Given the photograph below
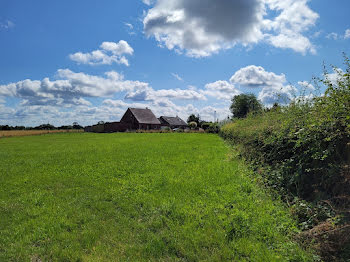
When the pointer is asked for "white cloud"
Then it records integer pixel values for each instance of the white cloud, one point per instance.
(335, 77)
(70, 88)
(6, 25)
(177, 76)
(307, 86)
(287, 28)
(148, 2)
(347, 34)
(149, 94)
(67, 99)
(277, 94)
(130, 26)
(256, 76)
(221, 90)
(109, 53)
(272, 86)
(204, 27)
(333, 36)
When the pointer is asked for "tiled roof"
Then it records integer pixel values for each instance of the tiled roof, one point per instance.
(144, 116)
(174, 121)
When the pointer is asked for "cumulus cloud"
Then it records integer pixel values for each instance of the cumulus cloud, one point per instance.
(70, 97)
(347, 34)
(286, 29)
(69, 88)
(109, 53)
(271, 86)
(204, 27)
(277, 94)
(307, 86)
(256, 76)
(149, 94)
(222, 90)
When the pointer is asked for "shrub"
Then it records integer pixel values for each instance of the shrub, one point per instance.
(301, 150)
(213, 128)
(192, 125)
(305, 143)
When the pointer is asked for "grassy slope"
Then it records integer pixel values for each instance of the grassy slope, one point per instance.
(102, 197)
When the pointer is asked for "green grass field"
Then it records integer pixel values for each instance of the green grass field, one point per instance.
(136, 197)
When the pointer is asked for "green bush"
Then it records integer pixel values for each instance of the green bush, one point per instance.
(192, 125)
(213, 128)
(303, 145)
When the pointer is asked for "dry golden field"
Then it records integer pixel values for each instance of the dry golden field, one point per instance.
(34, 132)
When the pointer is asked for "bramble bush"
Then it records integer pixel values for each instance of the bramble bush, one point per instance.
(302, 152)
(304, 145)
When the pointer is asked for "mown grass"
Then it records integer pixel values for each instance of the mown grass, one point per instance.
(136, 197)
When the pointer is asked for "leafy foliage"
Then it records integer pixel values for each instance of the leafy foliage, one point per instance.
(302, 149)
(244, 104)
(193, 118)
(192, 125)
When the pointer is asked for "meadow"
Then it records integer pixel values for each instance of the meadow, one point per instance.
(136, 197)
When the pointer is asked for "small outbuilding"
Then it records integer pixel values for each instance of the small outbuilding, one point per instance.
(172, 122)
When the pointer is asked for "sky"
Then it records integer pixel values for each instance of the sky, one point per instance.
(87, 61)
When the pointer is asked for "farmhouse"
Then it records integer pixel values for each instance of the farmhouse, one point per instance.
(137, 118)
(172, 122)
(133, 119)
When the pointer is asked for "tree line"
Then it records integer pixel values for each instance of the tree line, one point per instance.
(75, 125)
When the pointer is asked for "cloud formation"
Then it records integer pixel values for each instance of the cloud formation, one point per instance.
(221, 90)
(347, 34)
(69, 89)
(256, 76)
(177, 76)
(273, 87)
(332, 35)
(149, 94)
(204, 27)
(109, 53)
(6, 25)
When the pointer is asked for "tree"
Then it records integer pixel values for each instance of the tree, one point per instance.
(193, 118)
(244, 104)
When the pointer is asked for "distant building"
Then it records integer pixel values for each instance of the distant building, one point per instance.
(172, 122)
(137, 118)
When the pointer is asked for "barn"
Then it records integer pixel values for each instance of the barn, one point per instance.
(172, 122)
(138, 118)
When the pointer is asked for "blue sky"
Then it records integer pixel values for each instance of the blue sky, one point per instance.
(86, 61)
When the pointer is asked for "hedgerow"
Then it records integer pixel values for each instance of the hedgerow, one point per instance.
(302, 150)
